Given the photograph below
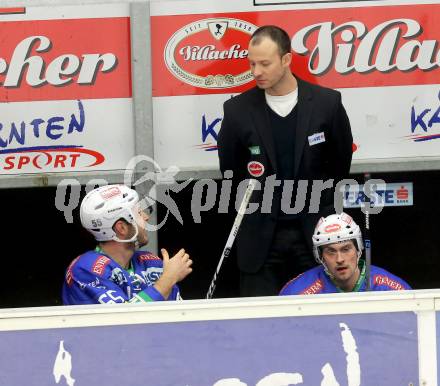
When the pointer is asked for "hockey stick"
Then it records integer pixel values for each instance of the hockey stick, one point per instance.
(232, 234)
(367, 240)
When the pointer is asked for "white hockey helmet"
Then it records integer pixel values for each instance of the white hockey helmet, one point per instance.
(103, 206)
(333, 229)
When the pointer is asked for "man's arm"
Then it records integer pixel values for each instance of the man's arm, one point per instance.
(342, 142)
(231, 153)
(82, 286)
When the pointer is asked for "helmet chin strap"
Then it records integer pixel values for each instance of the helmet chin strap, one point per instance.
(130, 240)
(134, 237)
(326, 270)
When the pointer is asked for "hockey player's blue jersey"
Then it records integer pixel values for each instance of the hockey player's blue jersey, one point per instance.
(96, 278)
(316, 281)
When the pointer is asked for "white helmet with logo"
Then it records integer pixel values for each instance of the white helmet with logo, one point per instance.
(333, 229)
(102, 207)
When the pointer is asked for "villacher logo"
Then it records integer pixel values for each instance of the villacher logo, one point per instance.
(195, 53)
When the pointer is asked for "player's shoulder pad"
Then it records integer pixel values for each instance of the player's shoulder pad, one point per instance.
(93, 262)
(288, 286)
(306, 283)
(385, 279)
(146, 256)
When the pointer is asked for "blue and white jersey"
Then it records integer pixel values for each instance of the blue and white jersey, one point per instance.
(96, 278)
(316, 281)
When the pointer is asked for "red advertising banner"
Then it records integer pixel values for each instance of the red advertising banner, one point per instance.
(65, 59)
(65, 89)
(338, 48)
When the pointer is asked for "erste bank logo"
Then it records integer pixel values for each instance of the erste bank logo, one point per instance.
(195, 54)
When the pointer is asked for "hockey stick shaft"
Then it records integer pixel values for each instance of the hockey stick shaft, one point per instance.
(232, 234)
(367, 240)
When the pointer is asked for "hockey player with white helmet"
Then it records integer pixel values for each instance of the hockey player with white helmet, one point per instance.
(337, 246)
(116, 271)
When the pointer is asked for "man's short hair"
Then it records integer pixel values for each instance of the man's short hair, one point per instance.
(276, 34)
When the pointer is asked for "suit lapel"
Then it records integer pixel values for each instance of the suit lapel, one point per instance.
(261, 121)
(305, 106)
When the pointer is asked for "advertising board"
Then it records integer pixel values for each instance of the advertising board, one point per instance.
(382, 56)
(65, 89)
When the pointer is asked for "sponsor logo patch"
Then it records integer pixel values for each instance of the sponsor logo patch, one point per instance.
(386, 281)
(255, 150)
(255, 169)
(110, 192)
(332, 228)
(100, 264)
(315, 288)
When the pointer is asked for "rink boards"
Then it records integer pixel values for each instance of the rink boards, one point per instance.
(321, 340)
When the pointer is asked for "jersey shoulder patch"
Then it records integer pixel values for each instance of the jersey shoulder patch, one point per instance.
(69, 274)
(146, 256)
(98, 266)
(315, 288)
(387, 281)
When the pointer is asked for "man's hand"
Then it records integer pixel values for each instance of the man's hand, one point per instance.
(175, 269)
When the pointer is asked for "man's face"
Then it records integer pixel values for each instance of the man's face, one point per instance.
(267, 66)
(141, 219)
(341, 261)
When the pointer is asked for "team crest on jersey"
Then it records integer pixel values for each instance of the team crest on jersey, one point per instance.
(118, 276)
(136, 281)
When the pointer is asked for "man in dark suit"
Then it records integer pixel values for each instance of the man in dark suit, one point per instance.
(291, 130)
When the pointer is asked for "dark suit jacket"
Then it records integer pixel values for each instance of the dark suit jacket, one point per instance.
(246, 125)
